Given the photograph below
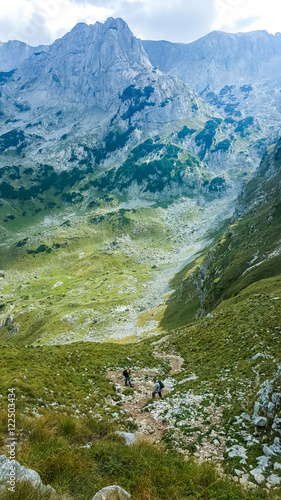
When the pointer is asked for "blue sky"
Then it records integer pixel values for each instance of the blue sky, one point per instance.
(42, 21)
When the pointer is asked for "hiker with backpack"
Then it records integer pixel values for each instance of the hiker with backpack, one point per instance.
(127, 374)
(158, 387)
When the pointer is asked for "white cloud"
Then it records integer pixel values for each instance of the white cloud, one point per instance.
(177, 20)
(42, 21)
(248, 15)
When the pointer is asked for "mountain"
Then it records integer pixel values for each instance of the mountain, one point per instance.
(89, 65)
(94, 93)
(239, 75)
(219, 59)
(139, 227)
(247, 255)
(14, 52)
(91, 96)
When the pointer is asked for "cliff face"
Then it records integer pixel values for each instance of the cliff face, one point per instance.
(14, 52)
(219, 59)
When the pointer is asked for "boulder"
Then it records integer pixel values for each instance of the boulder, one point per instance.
(238, 472)
(258, 476)
(259, 421)
(129, 436)
(276, 396)
(271, 410)
(268, 451)
(263, 462)
(237, 451)
(21, 474)
(276, 423)
(274, 480)
(112, 493)
(275, 447)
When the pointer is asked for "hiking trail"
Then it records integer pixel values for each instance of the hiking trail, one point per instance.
(142, 379)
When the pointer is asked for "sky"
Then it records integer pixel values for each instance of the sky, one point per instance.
(42, 21)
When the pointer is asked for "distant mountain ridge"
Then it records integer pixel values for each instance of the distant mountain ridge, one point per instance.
(91, 98)
(219, 58)
(14, 52)
(86, 102)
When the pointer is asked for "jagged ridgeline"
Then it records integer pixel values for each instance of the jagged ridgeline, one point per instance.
(140, 226)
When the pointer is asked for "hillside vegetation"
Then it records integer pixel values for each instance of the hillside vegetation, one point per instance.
(248, 251)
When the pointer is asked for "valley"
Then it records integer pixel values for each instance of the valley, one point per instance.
(140, 227)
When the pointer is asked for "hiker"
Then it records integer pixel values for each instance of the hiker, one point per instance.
(158, 387)
(127, 374)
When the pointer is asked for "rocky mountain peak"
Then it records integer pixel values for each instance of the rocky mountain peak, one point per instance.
(106, 44)
(91, 65)
(14, 52)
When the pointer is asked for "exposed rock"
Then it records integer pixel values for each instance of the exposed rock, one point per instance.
(277, 423)
(129, 436)
(258, 355)
(275, 398)
(260, 421)
(275, 447)
(238, 472)
(268, 451)
(244, 480)
(202, 63)
(237, 451)
(271, 409)
(112, 493)
(13, 52)
(263, 462)
(21, 474)
(257, 474)
(274, 480)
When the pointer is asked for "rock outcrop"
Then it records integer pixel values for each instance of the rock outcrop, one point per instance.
(112, 493)
(21, 473)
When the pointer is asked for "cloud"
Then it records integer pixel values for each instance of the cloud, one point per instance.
(177, 20)
(247, 15)
(42, 21)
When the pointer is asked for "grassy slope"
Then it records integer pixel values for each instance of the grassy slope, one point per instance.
(248, 251)
(220, 352)
(87, 270)
(74, 378)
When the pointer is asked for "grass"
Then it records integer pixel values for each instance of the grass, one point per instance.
(96, 265)
(68, 411)
(246, 253)
(222, 351)
(67, 386)
(145, 470)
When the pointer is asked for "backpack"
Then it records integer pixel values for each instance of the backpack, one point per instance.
(161, 385)
(125, 373)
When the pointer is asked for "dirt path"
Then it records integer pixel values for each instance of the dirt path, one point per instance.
(148, 427)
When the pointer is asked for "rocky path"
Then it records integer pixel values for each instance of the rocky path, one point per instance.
(149, 427)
